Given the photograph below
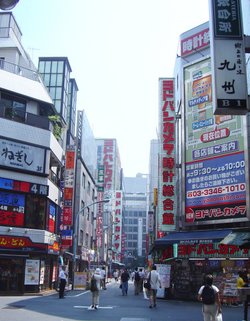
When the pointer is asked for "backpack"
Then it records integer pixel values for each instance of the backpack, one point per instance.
(208, 295)
(137, 276)
(93, 285)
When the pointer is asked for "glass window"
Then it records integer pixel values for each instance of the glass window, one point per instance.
(58, 105)
(54, 67)
(60, 67)
(53, 80)
(58, 93)
(47, 67)
(52, 92)
(35, 212)
(59, 80)
(46, 79)
(83, 180)
(41, 66)
(15, 108)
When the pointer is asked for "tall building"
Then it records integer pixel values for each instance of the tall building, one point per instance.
(135, 220)
(31, 163)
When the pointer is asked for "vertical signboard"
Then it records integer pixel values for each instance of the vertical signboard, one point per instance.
(167, 180)
(69, 179)
(228, 58)
(108, 162)
(117, 238)
(214, 154)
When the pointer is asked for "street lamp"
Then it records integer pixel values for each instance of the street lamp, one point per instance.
(75, 230)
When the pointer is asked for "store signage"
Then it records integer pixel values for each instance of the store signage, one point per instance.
(108, 162)
(195, 42)
(20, 243)
(12, 209)
(22, 156)
(214, 152)
(117, 237)
(167, 179)
(211, 250)
(24, 187)
(228, 58)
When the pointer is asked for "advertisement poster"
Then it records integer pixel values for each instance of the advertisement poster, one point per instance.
(214, 155)
(32, 269)
(164, 271)
(80, 280)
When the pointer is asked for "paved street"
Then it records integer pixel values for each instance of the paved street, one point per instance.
(113, 307)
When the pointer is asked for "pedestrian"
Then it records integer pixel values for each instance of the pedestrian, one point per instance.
(103, 281)
(95, 288)
(208, 294)
(62, 282)
(124, 281)
(116, 274)
(155, 283)
(137, 283)
(142, 277)
(240, 283)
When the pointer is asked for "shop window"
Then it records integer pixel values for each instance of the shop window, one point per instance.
(35, 212)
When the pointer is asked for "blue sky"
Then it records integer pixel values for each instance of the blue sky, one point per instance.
(117, 50)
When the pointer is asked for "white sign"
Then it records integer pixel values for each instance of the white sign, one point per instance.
(32, 269)
(22, 156)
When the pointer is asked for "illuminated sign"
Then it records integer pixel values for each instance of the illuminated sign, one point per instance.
(24, 187)
(12, 209)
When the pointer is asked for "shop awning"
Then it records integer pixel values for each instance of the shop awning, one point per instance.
(178, 237)
(239, 238)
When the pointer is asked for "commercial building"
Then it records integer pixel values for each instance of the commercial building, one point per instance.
(135, 220)
(31, 163)
(210, 226)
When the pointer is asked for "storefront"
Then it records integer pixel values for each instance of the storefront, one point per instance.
(194, 254)
(26, 266)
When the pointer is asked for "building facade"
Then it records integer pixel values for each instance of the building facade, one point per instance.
(30, 165)
(135, 220)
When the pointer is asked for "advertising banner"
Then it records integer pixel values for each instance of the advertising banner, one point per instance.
(214, 153)
(167, 180)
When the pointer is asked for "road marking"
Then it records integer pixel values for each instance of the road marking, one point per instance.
(87, 307)
(76, 295)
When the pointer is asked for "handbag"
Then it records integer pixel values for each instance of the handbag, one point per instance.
(147, 284)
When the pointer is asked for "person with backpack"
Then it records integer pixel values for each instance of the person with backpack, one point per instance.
(208, 294)
(137, 282)
(95, 288)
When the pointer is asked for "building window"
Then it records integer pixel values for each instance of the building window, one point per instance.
(88, 190)
(15, 108)
(35, 212)
(83, 180)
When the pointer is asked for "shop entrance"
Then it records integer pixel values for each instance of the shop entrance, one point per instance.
(11, 276)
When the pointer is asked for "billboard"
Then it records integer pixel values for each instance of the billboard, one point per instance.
(215, 188)
(166, 218)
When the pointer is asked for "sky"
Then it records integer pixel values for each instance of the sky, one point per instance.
(117, 50)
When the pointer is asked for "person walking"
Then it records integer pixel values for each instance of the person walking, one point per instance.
(208, 294)
(95, 288)
(240, 283)
(103, 281)
(62, 282)
(124, 281)
(137, 283)
(155, 282)
(142, 277)
(116, 275)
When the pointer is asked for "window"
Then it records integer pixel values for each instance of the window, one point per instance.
(88, 190)
(83, 180)
(35, 213)
(15, 108)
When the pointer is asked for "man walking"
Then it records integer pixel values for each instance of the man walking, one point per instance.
(62, 280)
(155, 282)
(124, 281)
(137, 282)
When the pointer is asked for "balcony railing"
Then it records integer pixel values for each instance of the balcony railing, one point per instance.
(19, 70)
(26, 118)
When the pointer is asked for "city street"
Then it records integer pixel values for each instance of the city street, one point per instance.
(113, 307)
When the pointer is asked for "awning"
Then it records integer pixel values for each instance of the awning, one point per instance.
(178, 237)
(239, 238)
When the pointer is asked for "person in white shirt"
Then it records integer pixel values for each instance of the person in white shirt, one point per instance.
(96, 294)
(155, 283)
(62, 280)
